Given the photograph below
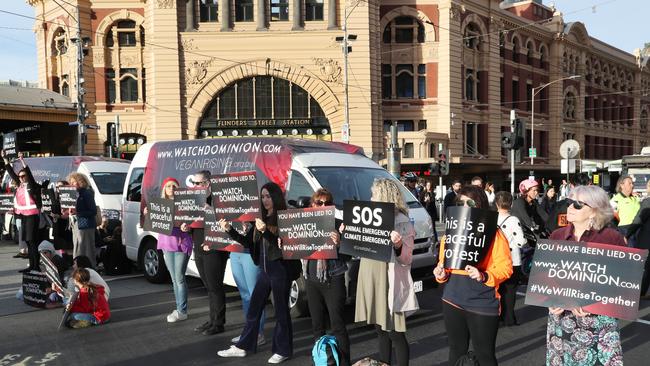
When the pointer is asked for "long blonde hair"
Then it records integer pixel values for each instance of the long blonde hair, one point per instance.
(387, 190)
(81, 179)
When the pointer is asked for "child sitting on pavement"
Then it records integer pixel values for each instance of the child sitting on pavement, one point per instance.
(90, 307)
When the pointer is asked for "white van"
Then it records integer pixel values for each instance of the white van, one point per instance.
(302, 165)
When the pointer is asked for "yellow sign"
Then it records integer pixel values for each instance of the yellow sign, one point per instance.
(596, 178)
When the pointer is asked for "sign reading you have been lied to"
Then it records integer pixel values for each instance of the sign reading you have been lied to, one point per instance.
(216, 238)
(160, 216)
(602, 279)
(367, 229)
(189, 205)
(469, 233)
(306, 233)
(235, 196)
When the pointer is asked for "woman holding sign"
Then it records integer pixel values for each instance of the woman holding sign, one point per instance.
(275, 276)
(574, 336)
(83, 218)
(470, 300)
(385, 295)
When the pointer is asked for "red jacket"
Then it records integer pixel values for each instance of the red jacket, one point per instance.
(83, 305)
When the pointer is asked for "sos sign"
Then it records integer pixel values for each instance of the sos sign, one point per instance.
(367, 229)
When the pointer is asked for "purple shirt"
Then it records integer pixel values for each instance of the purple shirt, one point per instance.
(603, 236)
(178, 241)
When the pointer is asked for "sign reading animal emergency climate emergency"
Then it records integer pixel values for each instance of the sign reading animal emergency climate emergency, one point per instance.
(9, 145)
(235, 196)
(68, 196)
(468, 236)
(190, 205)
(160, 216)
(602, 279)
(306, 233)
(217, 238)
(367, 229)
(6, 203)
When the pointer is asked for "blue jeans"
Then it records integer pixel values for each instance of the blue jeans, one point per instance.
(83, 316)
(245, 273)
(176, 263)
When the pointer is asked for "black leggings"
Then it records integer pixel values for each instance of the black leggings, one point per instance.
(386, 342)
(508, 292)
(462, 326)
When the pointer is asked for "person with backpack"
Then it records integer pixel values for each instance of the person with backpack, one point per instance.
(90, 307)
(527, 209)
(385, 295)
(275, 277)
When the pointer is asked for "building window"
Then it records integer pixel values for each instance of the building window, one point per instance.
(243, 10)
(471, 85)
(529, 96)
(570, 105)
(128, 85)
(208, 10)
(515, 94)
(126, 34)
(515, 49)
(405, 29)
(475, 137)
(402, 125)
(422, 124)
(422, 81)
(408, 150)
(386, 81)
(529, 53)
(65, 89)
(314, 10)
(279, 10)
(110, 86)
(404, 81)
(60, 44)
(472, 36)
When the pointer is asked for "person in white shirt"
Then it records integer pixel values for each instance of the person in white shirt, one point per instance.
(511, 227)
(489, 192)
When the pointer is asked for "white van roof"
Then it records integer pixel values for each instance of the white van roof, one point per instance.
(329, 159)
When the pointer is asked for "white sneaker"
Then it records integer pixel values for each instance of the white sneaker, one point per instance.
(276, 358)
(260, 339)
(175, 316)
(233, 351)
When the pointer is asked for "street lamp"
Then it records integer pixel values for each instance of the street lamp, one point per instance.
(532, 112)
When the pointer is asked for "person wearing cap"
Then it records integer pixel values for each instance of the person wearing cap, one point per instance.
(176, 249)
(410, 180)
(46, 249)
(527, 209)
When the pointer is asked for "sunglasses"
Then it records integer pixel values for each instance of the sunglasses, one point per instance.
(578, 205)
(22, 176)
(470, 202)
(199, 182)
(322, 203)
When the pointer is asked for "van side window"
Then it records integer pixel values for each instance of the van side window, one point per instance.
(134, 189)
(298, 187)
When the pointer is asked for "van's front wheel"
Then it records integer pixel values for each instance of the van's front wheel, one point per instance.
(298, 298)
(152, 263)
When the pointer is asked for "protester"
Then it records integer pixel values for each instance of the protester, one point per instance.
(176, 248)
(564, 189)
(385, 295)
(211, 265)
(625, 203)
(326, 291)
(83, 219)
(477, 181)
(27, 207)
(527, 209)
(574, 336)
(428, 200)
(84, 262)
(46, 249)
(549, 200)
(489, 192)
(470, 299)
(62, 235)
(450, 198)
(275, 277)
(410, 180)
(511, 228)
(557, 217)
(90, 307)
(639, 233)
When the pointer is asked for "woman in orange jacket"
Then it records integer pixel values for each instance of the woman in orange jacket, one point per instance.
(470, 300)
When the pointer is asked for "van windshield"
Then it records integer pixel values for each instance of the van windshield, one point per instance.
(354, 183)
(109, 183)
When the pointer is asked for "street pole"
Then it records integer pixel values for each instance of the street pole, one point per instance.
(117, 134)
(394, 153)
(81, 108)
(512, 154)
(346, 122)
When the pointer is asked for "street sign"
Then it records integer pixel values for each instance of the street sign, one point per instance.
(532, 152)
(568, 166)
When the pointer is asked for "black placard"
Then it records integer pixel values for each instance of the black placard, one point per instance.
(602, 279)
(235, 196)
(189, 205)
(160, 216)
(35, 285)
(367, 229)
(306, 233)
(51, 271)
(9, 145)
(218, 239)
(468, 236)
(47, 200)
(68, 196)
(6, 203)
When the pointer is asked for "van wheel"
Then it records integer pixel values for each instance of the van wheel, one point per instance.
(152, 263)
(298, 298)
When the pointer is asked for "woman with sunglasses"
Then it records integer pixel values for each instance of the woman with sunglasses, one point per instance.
(470, 299)
(326, 291)
(27, 207)
(588, 213)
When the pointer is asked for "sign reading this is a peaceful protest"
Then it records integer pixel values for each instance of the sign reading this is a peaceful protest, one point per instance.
(68, 196)
(306, 233)
(50, 271)
(47, 199)
(367, 229)
(9, 145)
(6, 203)
(189, 205)
(235, 196)
(602, 279)
(35, 286)
(216, 238)
(468, 236)
(160, 216)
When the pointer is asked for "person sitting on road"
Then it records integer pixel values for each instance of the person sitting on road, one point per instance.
(90, 307)
(46, 248)
(83, 262)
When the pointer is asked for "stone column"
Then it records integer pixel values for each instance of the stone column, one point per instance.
(225, 14)
(261, 15)
(189, 15)
(331, 14)
(297, 15)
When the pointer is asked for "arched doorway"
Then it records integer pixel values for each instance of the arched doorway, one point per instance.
(264, 105)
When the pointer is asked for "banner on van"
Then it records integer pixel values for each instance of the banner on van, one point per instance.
(68, 196)
(189, 205)
(9, 145)
(306, 233)
(160, 216)
(468, 236)
(367, 229)
(218, 239)
(235, 196)
(6, 203)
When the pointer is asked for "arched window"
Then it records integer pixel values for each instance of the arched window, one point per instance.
(471, 85)
(643, 122)
(588, 71)
(65, 89)
(128, 85)
(404, 29)
(570, 105)
(529, 53)
(472, 36)
(404, 81)
(124, 31)
(515, 49)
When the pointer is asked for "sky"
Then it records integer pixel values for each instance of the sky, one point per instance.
(617, 22)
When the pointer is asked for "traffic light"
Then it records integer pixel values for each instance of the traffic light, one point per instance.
(508, 140)
(443, 164)
(111, 135)
(434, 169)
(514, 140)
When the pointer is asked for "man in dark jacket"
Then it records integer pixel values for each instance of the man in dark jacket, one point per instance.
(450, 198)
(557, 216)
(527, 209)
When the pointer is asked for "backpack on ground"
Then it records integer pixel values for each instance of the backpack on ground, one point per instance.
(326, 352)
